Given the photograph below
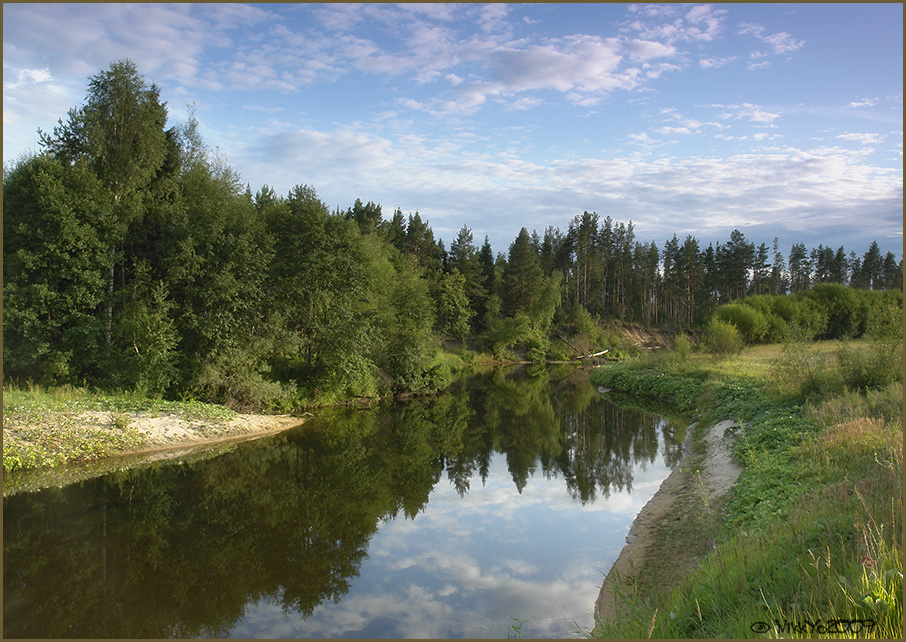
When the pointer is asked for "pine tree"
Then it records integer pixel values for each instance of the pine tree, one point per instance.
(778, 284)
(522, 277)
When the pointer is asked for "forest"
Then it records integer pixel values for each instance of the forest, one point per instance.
(136, 259)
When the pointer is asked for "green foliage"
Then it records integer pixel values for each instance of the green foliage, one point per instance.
(812, 527)
(751, 323)
(409, 346)
(682, 348)
(800, 368)
(681, 390)
(523, 279)
(56, 219)
(722, 338)
(508, 332)
(318, 281)
(845, 309)
(238, 380)
(454, 312)
(776, 316)
(579, 321)
(873, 367)
(119, 129)
(134, 258)
(882, 363)
(146, 338)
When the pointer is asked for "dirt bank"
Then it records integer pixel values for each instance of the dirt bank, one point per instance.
(674, 528)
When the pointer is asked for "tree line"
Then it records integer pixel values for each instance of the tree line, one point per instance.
(134, 258)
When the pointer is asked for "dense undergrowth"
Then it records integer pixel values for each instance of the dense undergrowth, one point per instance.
(809, 541)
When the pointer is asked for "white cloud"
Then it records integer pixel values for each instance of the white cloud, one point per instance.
(263, 108)
(783, 42)
(748, 112)
(780, 42)
(647, 49)
(524, 103)
(673, 130)
(585, 69)
(706, 21)
(716, 63)
(583, 63)
(493, 17)
(786, 188)
(865, 139)
(33, 99)
(668, 23)
(864, 102)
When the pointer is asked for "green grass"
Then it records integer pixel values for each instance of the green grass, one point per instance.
(41, 427)
(811, 533)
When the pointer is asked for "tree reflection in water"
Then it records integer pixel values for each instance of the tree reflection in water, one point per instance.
(180, 550)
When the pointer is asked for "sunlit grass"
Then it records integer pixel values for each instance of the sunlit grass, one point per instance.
(811, 534)
(42, 427)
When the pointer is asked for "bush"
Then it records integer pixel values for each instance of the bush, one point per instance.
(875, 367)
(846, 309)
(800, 369)
(722, 338)
(682, 348)
(751, 323)
(777, 323)
(882, 362)
(578, 320)
(234, 378)
(506, 333)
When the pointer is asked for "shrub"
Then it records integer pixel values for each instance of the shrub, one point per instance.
(682, 347)
(504, 334)
(777, 324)
(881, 363)
(799, 368)
(871, 368)
(750, 322)
(235, 379)
(846, 309)
(722, 338)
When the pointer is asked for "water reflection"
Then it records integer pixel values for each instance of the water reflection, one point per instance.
(267, 540)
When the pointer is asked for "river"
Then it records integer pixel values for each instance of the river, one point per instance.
(491, 510)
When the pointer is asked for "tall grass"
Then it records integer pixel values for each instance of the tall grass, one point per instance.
(810, 538)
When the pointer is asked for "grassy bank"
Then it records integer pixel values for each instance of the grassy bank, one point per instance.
(809, 542)
(41, 427)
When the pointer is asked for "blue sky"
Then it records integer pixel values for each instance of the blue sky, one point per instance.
(777, 119)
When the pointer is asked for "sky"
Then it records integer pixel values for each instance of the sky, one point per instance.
(780, 120)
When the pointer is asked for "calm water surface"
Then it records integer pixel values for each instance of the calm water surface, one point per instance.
(505, 499)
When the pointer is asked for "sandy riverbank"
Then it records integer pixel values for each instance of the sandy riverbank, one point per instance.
(682, 493)
(171, 431)
(130, 439)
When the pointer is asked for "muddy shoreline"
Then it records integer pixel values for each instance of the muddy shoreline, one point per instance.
(700, 480)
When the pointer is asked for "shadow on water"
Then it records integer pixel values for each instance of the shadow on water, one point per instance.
(180, 549)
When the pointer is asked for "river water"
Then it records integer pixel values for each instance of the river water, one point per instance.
(491, 510)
